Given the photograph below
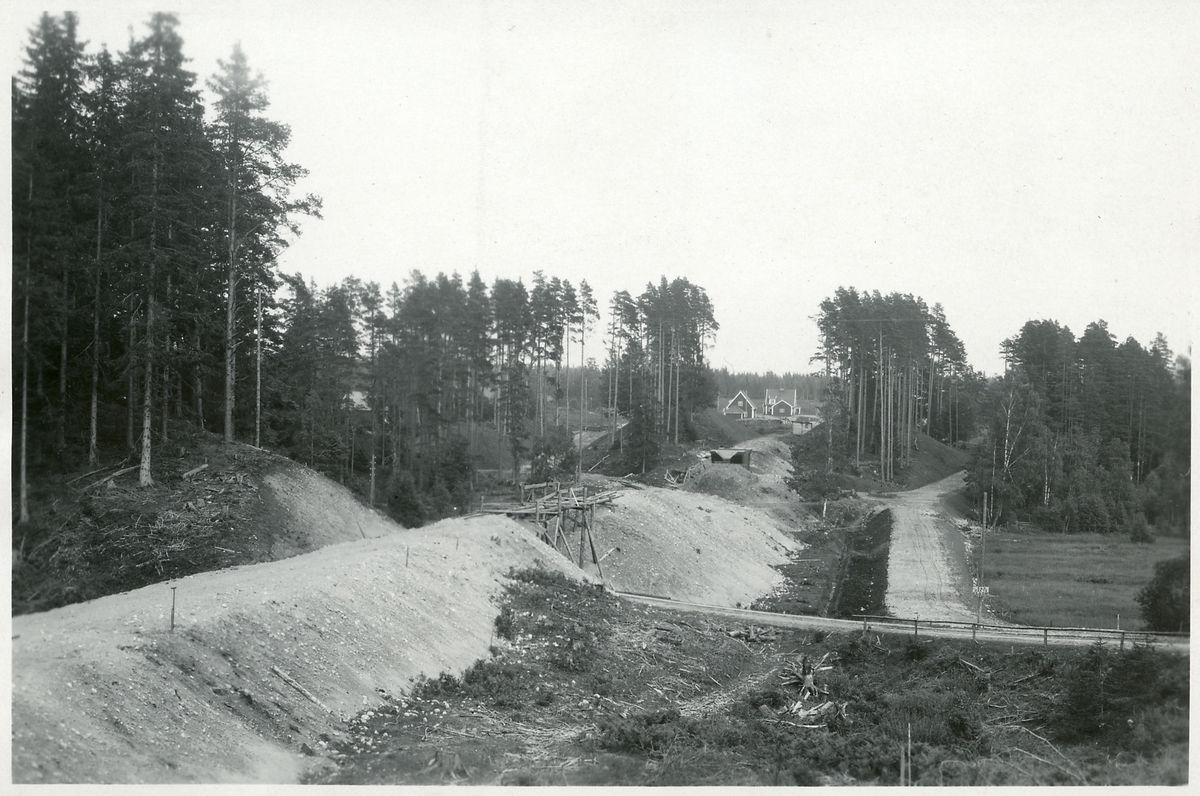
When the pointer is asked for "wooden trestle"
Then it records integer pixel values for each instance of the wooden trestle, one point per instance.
(559, 510)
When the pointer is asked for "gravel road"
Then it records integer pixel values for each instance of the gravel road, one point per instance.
(927, 571)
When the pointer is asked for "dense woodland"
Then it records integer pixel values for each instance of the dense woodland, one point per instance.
(1078, 435)
(899, 370)
(1087, 435)
(147, 298)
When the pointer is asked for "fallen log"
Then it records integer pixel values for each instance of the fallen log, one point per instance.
(108, 478)
(194, 470)
(300, 688)
(92, 472)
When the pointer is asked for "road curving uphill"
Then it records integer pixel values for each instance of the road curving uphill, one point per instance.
(927, 573)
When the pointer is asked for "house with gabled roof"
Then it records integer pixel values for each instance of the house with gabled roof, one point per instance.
(743, 407)
(781, 403)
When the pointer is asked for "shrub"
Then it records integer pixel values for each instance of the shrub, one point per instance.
(1139, 529)
(1088, 514)
(502, 683)
(914, 649)
(934, 717)
(552, 453)
(1120, 697)
(504, 623)
(816, 483)
(403, 500)
(643, 732)
(1166, 599)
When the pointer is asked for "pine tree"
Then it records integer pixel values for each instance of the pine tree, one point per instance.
(167, 159)
(256, 184)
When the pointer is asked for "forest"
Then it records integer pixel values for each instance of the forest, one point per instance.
(897, 369)
(148, 298)
(1085, 435)
(1078, 435)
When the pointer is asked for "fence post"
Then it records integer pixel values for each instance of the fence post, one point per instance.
(1045, 636)
(1122, 639)
(915, 632)
(974, 628)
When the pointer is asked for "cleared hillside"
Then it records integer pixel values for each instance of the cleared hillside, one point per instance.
(266, 661)
(212, 506)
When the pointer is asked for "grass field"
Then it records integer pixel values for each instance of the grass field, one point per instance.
(1071, 580)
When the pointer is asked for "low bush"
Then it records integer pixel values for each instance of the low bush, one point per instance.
(656, 731)
(1166, 599)
(1120, 698)
(937, 718)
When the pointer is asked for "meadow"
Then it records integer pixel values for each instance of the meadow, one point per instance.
(1071, 580)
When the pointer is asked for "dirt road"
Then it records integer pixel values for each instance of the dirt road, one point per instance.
(927, 572)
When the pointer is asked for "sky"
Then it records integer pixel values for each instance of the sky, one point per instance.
(1008, 160)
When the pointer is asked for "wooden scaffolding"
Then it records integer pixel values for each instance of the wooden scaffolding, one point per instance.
(561, 511)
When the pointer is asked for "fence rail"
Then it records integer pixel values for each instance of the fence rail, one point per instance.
(1027, 632)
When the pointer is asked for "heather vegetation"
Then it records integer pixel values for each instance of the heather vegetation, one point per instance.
(584, 689)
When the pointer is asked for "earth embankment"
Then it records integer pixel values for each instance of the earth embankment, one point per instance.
(690, 546)
(266, 660)
(105, 691)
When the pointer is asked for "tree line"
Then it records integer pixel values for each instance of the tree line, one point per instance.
(1086, 434)
(402, 393)
(897, 370)
(144, 236)
(147, 292)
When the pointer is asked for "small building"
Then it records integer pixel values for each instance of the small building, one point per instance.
(743, 407)
(731, 456)
(781, 403)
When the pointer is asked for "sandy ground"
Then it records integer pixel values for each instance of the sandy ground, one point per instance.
(105, 692)
(689, 546)
(927, 572)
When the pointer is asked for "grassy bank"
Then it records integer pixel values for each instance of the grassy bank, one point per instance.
(1070, 580)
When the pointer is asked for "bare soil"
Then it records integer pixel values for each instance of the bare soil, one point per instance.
(106, 691)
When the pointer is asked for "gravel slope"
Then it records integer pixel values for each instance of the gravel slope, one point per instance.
(104, 692)
(690, 546)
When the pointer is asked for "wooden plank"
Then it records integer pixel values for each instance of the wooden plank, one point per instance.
(595, 558)
(300, 688)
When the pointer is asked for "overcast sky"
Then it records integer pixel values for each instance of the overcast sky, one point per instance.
(1010, 160)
